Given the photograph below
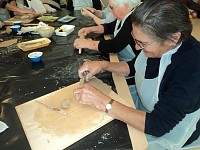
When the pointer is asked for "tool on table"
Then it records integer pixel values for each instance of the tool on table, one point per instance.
(84, 74)
(53, 108)
(82, 36)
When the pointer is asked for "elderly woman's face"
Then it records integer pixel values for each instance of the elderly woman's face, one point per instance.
(116, 10)
(151, 48)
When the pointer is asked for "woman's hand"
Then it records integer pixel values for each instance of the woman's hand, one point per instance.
(26, 11)
(81, 43)
(92, 10)
(85, 31)
(86, 13)
(86, 43)
(89, 95)
(93, 68)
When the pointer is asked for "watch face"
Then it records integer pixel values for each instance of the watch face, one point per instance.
(108, 106)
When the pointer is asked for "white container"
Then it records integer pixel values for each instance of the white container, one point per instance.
(64, 30)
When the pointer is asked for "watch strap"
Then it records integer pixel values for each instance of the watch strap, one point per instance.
(111, 101)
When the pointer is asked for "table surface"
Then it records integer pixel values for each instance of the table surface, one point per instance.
(22, 81)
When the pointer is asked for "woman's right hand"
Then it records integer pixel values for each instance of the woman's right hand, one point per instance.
(84, 31)
(93, 68)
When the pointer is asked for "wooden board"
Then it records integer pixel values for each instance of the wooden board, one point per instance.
(138, 138)
(8, 43)
(47, 129)
(34, 44)
(11, 20)
(196, 28)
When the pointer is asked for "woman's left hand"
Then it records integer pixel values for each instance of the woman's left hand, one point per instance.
(81, 43)
(89, 95)
(86, 12)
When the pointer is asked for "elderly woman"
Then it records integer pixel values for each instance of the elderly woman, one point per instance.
(122, 43)
(167, 77)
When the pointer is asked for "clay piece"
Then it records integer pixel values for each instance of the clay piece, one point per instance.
(65, 103)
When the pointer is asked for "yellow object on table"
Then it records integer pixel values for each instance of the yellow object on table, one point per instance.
(48, 18)
(34, 44)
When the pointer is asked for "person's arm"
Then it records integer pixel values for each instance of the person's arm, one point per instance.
(13, 2)
(96, 19)
(94, 29)
(88, 43)
(95, 67)
(98, 13)
(88, 13)
(89, 95)
(14, 8)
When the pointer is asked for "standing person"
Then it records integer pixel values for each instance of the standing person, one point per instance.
(122, 43)
(167, 77)
(99, 16)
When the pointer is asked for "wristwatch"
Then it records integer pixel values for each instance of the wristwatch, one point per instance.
(109, 105)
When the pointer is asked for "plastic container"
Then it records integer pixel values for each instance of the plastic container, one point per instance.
(15, 28)
(64, 30)
(35, 56)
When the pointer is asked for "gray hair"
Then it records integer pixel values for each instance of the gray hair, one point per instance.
(132, 3)
(159, 19)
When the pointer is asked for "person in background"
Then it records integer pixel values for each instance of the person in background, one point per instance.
(55, 4)
(79, 4)
(167, 77)
(99, 16)
(122, 43)
(12, 7)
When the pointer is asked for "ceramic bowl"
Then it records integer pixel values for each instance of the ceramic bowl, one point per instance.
(15, 28)
(45, 32)
(35, 56)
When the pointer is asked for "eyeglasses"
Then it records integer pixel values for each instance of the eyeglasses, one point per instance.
(142, 45)
(112, 7)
